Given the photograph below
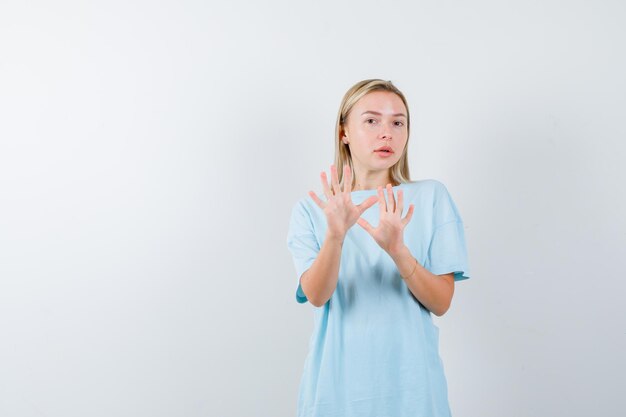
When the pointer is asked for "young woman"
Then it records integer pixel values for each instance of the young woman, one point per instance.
(374, 350)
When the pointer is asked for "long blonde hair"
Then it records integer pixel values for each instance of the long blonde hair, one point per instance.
(399, 173)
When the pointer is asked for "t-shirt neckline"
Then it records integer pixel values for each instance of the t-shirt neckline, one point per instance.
(373, 191)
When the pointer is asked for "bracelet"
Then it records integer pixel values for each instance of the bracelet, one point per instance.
(411, 271)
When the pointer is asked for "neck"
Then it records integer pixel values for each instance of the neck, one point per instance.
(371, 180)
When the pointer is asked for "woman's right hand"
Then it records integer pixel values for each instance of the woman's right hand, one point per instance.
(341, 213)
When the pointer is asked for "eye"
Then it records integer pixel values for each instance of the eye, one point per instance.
(370, 121)
(399, 123)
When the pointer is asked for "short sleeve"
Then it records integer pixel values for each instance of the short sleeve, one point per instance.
(302, 243)
(447, 251)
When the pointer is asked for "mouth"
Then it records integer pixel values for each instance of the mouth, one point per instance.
(384, 149)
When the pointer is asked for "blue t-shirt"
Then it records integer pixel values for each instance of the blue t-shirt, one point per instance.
(374, 350)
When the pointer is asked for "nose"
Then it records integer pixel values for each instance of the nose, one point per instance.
(385, 132)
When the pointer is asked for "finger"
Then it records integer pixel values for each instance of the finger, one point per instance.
(400, 202)
(334, 179)
(317, 201)
(408, 216)
(381, 201)
(367, 204)
(365, 225)
(392, 200)
(347, 179)
(325, 186)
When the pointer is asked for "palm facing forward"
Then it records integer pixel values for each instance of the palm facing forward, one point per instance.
(389, 232)
(340, 211)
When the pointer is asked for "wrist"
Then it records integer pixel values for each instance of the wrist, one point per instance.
(399, 253)
(405, 277)
(335, 237)
(405, 261)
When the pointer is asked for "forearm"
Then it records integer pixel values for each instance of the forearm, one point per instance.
(320, 280)
(434, 292)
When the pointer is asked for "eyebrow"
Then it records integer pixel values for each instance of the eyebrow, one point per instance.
(380, 114)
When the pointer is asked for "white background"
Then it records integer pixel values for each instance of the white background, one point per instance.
(151, 152)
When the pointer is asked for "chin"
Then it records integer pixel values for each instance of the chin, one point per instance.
(389, 163)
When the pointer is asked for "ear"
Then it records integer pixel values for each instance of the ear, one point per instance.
(344, 137)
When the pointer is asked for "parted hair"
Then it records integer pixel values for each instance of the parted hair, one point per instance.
(399, 173)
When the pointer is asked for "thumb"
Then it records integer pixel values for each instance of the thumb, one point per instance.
(365, 225)
(367, 203)
(408, 216)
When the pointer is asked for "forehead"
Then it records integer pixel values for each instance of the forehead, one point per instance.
(380, 101)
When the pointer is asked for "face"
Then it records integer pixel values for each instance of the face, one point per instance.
(378, 120)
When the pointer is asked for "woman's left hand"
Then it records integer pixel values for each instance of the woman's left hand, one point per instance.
(389, 232)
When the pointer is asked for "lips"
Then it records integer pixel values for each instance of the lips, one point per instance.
(384, 149)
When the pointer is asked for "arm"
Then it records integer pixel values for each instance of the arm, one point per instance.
(320, 280)
(433, 291)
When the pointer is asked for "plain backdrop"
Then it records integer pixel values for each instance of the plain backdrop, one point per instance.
(151, 153)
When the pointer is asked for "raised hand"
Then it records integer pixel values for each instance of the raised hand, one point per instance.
(389, 232)
(340, 211)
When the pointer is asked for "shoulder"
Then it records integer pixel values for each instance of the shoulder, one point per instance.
(435, 185)
(306, 211)
(429, 186)
(305, 205)
(301, 208)
(433, 195)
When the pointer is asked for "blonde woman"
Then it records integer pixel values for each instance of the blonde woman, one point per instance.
(374, 350)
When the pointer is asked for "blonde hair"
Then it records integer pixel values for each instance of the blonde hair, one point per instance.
(399, 173)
